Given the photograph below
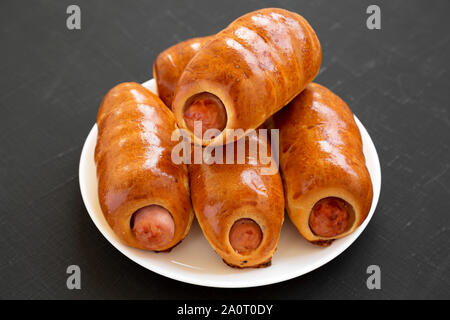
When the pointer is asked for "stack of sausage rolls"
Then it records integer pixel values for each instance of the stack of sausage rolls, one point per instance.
(256, 73)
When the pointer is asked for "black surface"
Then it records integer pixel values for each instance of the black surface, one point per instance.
(52, 80)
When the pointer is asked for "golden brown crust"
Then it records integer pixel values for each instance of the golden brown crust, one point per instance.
(134, 166)
(259, 63)
(170, 64)
(243, 264)
(224, 193)
(321, 156)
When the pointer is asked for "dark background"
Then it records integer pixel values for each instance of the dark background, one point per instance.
(52, 80)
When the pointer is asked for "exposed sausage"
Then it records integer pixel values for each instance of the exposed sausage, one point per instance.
(135, 170)
(327, 185)
(256, 65)
(329, 217)
(240, 207)
(245, 236)
(153, 227)
(207, 109)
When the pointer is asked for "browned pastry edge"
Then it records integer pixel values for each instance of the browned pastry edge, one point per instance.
(249, 68)
(133, 126)
(321, 156)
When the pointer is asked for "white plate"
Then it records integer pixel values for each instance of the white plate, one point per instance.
(194, 261)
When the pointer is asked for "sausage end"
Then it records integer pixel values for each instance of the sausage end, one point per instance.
(330, 217)
(206, 108)
(153, 227)
(245, 236)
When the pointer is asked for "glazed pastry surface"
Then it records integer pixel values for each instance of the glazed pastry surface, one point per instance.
(255, 66)
(134, 166)
(321, 156)
(170, 64)
(225, 193)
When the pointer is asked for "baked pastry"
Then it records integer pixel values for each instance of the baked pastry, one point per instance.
(240, 207)
(327, 186)
(143, 194)
(245, 74)
(170, 64)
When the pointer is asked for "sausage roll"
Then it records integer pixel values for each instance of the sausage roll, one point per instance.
(240, 207)
(246, 73)
(328, 189)
(170, 63)
(143, 194)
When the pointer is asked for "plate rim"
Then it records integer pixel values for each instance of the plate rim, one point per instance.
(210, 283)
